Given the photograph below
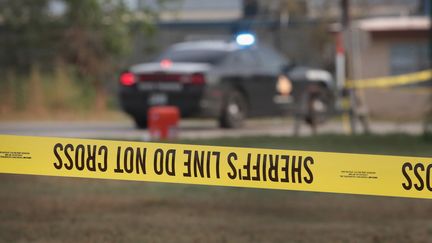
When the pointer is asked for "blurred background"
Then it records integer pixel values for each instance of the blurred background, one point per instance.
(62, 59)
(61, 63)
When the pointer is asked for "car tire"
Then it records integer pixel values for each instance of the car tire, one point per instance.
(234, 111)
(140, 122)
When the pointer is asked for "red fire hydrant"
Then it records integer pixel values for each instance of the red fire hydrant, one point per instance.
(163, 122)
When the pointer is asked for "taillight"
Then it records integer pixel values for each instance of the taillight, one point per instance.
(127, 79)
(197, 78)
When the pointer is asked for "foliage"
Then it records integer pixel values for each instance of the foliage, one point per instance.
(93, 36)
(83, 31)
(25, 32)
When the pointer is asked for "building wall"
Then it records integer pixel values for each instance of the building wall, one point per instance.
(409, 103)
(375, 59)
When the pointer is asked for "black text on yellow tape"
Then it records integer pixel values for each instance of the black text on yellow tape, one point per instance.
(222, 166)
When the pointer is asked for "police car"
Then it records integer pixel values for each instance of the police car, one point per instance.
(226, 80)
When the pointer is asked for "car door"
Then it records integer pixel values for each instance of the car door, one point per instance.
(264, 79)
(238, 70)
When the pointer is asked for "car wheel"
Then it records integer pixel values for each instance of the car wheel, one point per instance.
(234, 111)
(140, 122)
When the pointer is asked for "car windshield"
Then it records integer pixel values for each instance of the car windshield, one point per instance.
(190, 55)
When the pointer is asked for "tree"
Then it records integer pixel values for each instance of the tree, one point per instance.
(97, 35)
(91, 35)
(25, 30)
(93, 38)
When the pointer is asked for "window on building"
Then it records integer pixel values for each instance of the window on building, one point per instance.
(408, 57)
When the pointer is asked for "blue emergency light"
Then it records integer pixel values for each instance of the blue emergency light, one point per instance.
(245, 39)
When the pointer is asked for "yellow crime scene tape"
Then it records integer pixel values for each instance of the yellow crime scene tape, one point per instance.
(391, 81)
(383, 83)
(220, 166)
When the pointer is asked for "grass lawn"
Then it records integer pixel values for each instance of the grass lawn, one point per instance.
(51, 209)
(394, 144)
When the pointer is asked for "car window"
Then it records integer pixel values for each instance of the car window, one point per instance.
(270, 60)
(243, 58)
(194, 55)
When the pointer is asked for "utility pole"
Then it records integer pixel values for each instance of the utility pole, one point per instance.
(345, 71)
(340, 47)
(427, 5)
(345, 6)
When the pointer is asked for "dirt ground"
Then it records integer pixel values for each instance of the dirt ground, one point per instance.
(51, 209)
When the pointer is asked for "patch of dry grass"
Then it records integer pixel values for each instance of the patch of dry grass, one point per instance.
(50, 209)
